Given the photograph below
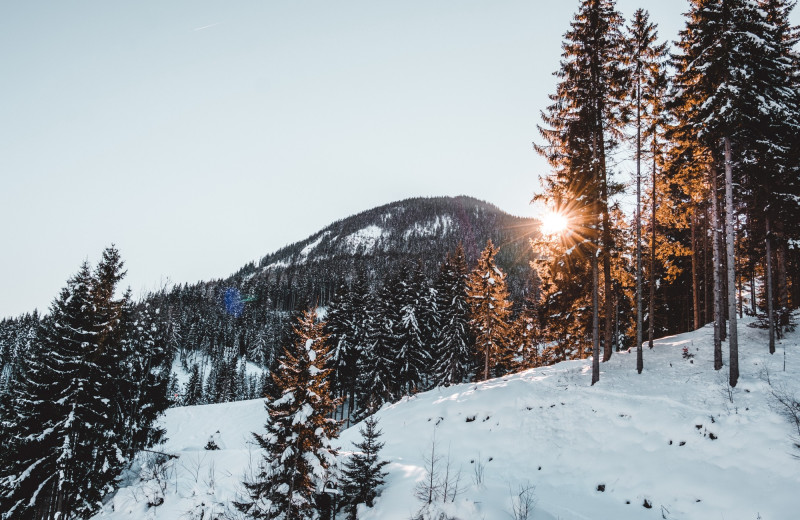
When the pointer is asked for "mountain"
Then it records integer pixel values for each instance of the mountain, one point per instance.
(249, 313)
(674, 442)
(417, 231)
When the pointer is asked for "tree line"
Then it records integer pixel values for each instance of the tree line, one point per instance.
(82, 399)
(712, 129)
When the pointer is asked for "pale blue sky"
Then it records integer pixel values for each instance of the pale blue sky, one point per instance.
(200, 135)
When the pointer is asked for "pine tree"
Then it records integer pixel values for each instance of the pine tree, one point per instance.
(74, 428)
(377, 362)
(454, 341)
(45, 477)
(412, 357)
(526, 338)
(487, 297)
(145, 380)
(363, 471)
(193, 393)
(297, 445)
(731, 82)
(581, 124)
(645, 56)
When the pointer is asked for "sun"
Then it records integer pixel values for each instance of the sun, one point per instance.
(553, 223)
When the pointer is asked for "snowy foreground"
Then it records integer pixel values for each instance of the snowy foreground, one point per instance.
(672, 436)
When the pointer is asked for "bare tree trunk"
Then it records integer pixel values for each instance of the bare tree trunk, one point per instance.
(639, 359)
(752, 289)
(716, 270)
(608, 298)
(695, 282)
(651, 316)
(782, 282)
(768, 273)
(595, 320)
(708, 270)
(486, 365)
(733, 332)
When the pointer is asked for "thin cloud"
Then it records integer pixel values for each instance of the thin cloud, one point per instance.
(206, 26)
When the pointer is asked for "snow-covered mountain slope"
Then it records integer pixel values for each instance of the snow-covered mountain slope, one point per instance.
(673, 436)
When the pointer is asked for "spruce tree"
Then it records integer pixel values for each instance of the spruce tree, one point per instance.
(412, 356)
(297, 446)
(145, 379)
(49, 435)
(645, 56)
(377, 362)
(75, 427)
(363, 473)
(581, 124)
(487, 297)
(454, 342)
(734, 78)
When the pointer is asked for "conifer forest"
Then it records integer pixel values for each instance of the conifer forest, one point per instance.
(667, 255)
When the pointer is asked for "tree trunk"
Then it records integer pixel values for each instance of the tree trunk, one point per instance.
(651, 316)
(716, 271)
(695, 282)
(708, 270)
(595, 320)
(782, 282)
(733, 332)
(753, 290)
(639, 360)
(608, 298)
(768, 275)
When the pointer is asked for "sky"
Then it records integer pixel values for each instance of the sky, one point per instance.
(198, 136)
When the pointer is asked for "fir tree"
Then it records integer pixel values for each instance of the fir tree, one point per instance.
(363, 471)
(377, 362)
(74, 429)
(193, 392)
(645, 56)
(581, 124)
(147, 374)
(410, 298)
(454, 340)
(489, 312)
(297, 445)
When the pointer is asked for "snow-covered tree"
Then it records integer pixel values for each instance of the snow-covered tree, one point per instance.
(363, 473)
(297, 443)
(74, 426)
(487, 297)
(409, 291)
(454, 343)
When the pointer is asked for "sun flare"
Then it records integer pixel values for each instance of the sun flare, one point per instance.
(553, 223)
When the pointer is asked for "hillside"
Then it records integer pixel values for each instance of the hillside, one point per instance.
(249, 313)
(418, 231)
(672, 436)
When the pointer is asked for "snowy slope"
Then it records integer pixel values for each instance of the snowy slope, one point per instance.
(643, 437)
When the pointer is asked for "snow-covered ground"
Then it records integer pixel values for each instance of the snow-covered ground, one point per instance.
(673, 436)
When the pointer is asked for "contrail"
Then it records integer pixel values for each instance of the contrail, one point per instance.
(206, 26)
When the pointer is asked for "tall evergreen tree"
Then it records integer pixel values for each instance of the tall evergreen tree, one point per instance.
(412, 355)
(297, 445)
(487, 297)
(730, 81)
(377, 362)
(645, 56)
(73, 429)
(454, 341)
(581, 127)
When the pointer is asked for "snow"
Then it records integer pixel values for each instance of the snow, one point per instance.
(310, 247)
(673, 436)
(251, 369)
(364, 240)
(430, 228)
